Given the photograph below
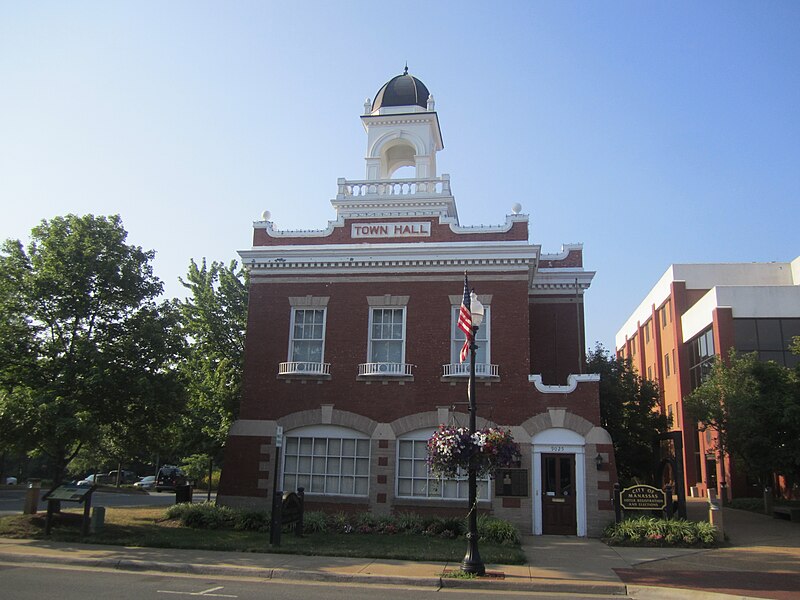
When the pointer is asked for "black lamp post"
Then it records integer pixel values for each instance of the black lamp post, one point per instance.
(472, 562)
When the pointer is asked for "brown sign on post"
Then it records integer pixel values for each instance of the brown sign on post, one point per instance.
(643, 497)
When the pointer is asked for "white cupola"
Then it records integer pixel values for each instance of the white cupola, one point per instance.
(402, 129)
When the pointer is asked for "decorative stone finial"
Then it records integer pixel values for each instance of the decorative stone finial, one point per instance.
(367, 106)
(405, 71)
(431, 103)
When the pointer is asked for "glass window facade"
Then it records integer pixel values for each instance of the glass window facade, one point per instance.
(334, 466)
(770, 338)
(701, 357)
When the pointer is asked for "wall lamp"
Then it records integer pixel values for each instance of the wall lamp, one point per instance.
(598, 460)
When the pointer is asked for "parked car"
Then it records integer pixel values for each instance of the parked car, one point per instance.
(94, 479)
(11, 481)
(126, 477)
(169, 478)
(146, 483)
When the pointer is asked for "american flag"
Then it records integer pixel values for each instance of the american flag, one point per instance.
(465, 320)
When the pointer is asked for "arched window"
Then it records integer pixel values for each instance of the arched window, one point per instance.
(414, 479)
(327, 459)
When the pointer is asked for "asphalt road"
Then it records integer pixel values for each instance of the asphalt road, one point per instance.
(13, 500)
(34, 583)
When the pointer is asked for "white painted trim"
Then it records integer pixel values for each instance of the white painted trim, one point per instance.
(565, 250)
(579, 450)
(572, 383)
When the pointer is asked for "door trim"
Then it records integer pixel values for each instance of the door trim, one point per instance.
(580, 481)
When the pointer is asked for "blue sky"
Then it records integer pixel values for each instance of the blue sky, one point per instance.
(653, 132)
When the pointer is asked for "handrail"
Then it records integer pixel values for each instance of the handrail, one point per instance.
(385, 369)
(462, 370)
(304, 368)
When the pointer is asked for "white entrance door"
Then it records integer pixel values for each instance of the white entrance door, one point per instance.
(549, 445)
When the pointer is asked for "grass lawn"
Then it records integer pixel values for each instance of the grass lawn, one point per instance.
(146, 527)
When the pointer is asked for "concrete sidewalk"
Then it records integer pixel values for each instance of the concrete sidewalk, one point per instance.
(763, 562)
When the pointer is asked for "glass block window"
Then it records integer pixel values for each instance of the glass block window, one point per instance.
(307, 341)
(387, 335)
(414, 480)
(334, 466)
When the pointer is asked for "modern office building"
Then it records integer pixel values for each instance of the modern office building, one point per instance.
(353, 347)
(696, 312)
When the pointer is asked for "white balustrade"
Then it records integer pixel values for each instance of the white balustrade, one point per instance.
(462, 370)
(385, 369)
(437, 186)
(304, 368)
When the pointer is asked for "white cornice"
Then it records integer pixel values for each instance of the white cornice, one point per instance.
(561, 281)
(430, 257)
(387, 212)
(565, 250)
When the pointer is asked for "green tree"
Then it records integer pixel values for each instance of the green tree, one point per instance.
(754, 407)
(95, 352)
(629, 412)
(215, 318)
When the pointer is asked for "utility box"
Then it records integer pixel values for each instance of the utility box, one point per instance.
(32, 497)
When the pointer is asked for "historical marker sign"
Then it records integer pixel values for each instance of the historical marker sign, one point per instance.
(643, 497)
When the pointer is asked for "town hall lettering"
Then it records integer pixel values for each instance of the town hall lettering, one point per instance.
(390, 230)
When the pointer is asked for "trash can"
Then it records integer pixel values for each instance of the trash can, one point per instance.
(98, 519)
(183, 493)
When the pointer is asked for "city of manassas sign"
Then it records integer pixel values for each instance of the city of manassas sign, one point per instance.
(390, 230)
(643, 497)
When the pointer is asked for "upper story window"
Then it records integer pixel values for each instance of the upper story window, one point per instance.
(666, 365)
(306, 337)
(387, 343)
(307, 343)
(483, 352)
(633, 346)
(647, 332)
(701, 357)
(386, 347)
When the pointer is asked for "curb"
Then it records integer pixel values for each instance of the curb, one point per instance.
(653, 592)
(281, 574)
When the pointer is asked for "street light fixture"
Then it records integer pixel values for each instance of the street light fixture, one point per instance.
(472, 562)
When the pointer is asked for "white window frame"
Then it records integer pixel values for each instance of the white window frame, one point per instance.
(292, 339)
(402, 340)
(299, 476)
(435, 486)
(483, 339)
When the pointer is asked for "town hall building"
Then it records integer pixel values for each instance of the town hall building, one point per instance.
(352, 350)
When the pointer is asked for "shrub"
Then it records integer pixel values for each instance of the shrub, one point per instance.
(497, 530)
(204, 515)
(751, 504)
(315, 522)
(660, 532)
(409, 523)
(251, 520)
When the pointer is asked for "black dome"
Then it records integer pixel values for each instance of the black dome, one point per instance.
(403, 90)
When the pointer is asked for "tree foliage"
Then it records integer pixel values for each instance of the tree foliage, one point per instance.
(754, 407)
(215, 317)
(629, 412)
(86, 352)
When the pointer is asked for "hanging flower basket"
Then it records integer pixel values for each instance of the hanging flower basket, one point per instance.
(452, 451)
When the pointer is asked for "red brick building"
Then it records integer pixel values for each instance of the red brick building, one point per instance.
(352, 348)
(694, 313)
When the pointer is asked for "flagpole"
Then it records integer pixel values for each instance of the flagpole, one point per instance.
(472, 562)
